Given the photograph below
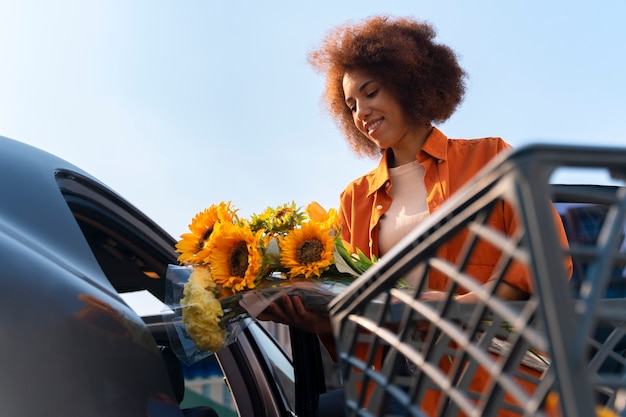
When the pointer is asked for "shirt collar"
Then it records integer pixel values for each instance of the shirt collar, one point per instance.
(435, 146)
(378, 177)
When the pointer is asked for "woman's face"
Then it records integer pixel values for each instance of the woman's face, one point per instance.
(375, 111)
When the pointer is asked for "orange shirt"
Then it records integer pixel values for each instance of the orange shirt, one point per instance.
(448, 165)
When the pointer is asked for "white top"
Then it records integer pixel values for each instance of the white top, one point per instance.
(408, 207)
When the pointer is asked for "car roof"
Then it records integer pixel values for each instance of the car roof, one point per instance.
(50, 205)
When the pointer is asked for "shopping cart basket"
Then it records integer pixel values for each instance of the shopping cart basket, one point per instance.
(559, 353)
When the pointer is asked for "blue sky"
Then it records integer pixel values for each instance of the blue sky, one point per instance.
(180, 104)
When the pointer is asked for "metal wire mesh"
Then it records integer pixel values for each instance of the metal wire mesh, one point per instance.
(559, 353)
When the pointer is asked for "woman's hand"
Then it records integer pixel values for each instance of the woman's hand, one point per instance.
(291, 311)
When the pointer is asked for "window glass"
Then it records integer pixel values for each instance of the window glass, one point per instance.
(279, 363)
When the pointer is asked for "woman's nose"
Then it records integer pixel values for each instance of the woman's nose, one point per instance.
(362, 111)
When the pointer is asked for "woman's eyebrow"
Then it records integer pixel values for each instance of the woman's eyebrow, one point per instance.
(361, 88)
(365, 84)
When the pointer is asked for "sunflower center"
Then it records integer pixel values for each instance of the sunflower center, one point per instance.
(283, 213)
(205, 236)
(309, 251)
(238, 262)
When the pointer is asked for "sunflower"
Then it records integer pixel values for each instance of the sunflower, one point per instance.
(307, 250)
(277, 220)
(193, 247)
(234, 256)
(318, 214)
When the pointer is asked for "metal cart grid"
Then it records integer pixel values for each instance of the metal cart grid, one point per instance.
(397, 351)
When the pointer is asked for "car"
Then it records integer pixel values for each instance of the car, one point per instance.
(71, 252)
(70, 248)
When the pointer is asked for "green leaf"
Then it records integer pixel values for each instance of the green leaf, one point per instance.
(345, 266)
(344, 261)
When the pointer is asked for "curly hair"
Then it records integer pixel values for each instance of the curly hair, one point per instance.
(423, 75)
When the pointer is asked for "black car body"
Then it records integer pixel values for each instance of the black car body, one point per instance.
(71, 345)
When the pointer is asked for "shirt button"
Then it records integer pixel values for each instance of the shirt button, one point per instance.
(439, 161)
(379, 207)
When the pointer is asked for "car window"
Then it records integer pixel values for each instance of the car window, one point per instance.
(132, 251)
(278, 362)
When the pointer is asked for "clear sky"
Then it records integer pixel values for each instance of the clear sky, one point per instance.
(180, 104)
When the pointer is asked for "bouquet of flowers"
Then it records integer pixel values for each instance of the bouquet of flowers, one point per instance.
(232, 268)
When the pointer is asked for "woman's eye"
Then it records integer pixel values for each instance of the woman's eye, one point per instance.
(372, 93)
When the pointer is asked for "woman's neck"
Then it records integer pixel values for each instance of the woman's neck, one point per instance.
(407, 150)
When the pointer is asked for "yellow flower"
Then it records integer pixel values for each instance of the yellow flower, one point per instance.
(201, 314)
(194, 246)
(202, 275)
(234, 256)
(318, 214)
(230, 255)
(277, 220)
(307, 250)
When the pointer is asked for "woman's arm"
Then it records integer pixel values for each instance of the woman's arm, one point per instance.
(505, 291)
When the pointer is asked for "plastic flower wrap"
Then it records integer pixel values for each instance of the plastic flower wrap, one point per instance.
(232, 268)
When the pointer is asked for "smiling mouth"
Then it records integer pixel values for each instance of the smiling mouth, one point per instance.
(372, 127)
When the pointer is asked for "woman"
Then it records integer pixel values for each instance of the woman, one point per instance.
(387, 83)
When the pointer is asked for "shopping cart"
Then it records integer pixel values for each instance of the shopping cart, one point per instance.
(560, 353)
